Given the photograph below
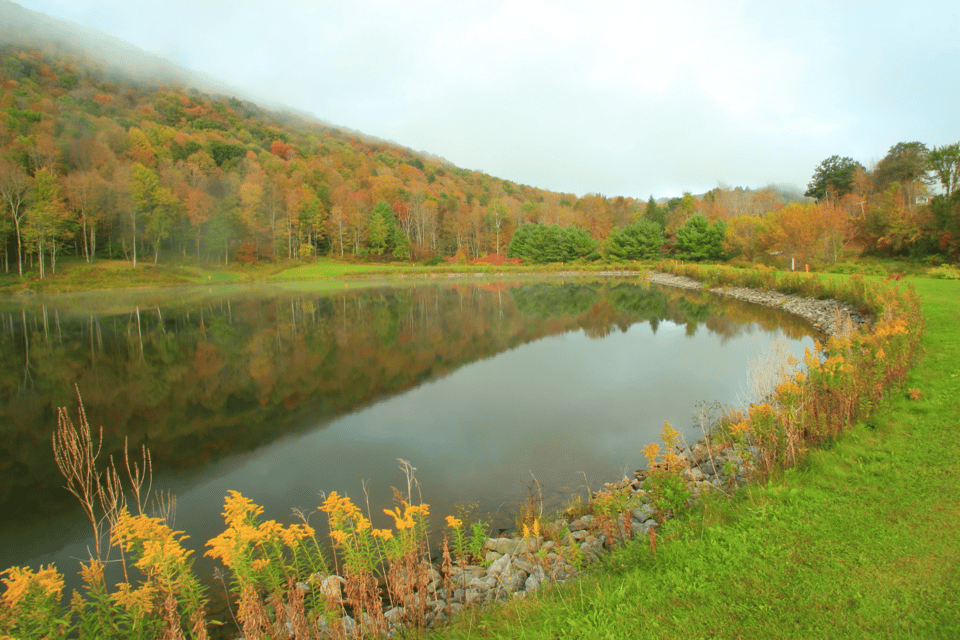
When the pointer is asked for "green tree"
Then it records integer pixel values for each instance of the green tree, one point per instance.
(697, 239)
(637, 241)
(834, 177)
(541, 244)
(905, 163)
(944, 162)
(381, 228)
(655, 213)
(155, 203)
(47, 219)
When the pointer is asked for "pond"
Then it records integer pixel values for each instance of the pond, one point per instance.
(285, 392)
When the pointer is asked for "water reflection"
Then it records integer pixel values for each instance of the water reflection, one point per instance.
(279, 394)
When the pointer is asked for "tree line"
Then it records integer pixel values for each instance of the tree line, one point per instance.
(96, 166)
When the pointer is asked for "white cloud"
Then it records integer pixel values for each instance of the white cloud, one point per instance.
(620, 98)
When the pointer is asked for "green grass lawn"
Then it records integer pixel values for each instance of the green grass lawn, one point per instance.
(324, 268)
(861, 541)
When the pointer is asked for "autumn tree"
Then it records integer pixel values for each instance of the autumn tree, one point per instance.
(897, 227)
(14, 184)
(905, 164)
(742, 238)
(807, 233)
(679, 211)
(84, 191)
(497, 215)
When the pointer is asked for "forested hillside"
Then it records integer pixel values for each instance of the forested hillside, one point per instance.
(96, 165)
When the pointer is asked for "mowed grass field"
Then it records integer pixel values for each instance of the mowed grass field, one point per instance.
(860, 541)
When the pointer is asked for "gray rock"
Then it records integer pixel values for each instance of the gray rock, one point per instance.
(523, 565)
(645, 512)
(491, 556)
(532, 584)
(580, 524)
(511, 546)
(514, 580)
(394, 615)
(694, 474)
(478, 585)
(499, 566)
(639, 529)
(466, 574)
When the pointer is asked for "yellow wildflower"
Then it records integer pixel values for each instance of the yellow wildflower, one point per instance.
(295, 533)
(740, 428)
(22, 580)
(141, 599)
(400, 521)
(383, 534)
(362, 524)
(422, 510)
(651, 452)
(453, 523)
(92, 573)
(236, 508)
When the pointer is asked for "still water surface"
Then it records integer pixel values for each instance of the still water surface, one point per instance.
(284, 393)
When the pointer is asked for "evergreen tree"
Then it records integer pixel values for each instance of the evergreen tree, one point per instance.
(697, 239)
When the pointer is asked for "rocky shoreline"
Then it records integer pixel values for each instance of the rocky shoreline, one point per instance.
(827, 316)
(517, 566)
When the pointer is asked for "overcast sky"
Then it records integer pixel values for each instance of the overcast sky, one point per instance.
(629, 98)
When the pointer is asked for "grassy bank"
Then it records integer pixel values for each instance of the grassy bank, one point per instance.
(76, 275)
(860, 540)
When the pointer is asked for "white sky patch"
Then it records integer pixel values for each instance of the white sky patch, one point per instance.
(619, 98)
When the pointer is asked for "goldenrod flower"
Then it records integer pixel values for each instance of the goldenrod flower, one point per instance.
(651, 452)
(362, 524)
(236, 508)
(295, 533)
(383, 534)
(453, 523)
(92, 573)
(21, 580)
(141, 599)
(401, 522)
